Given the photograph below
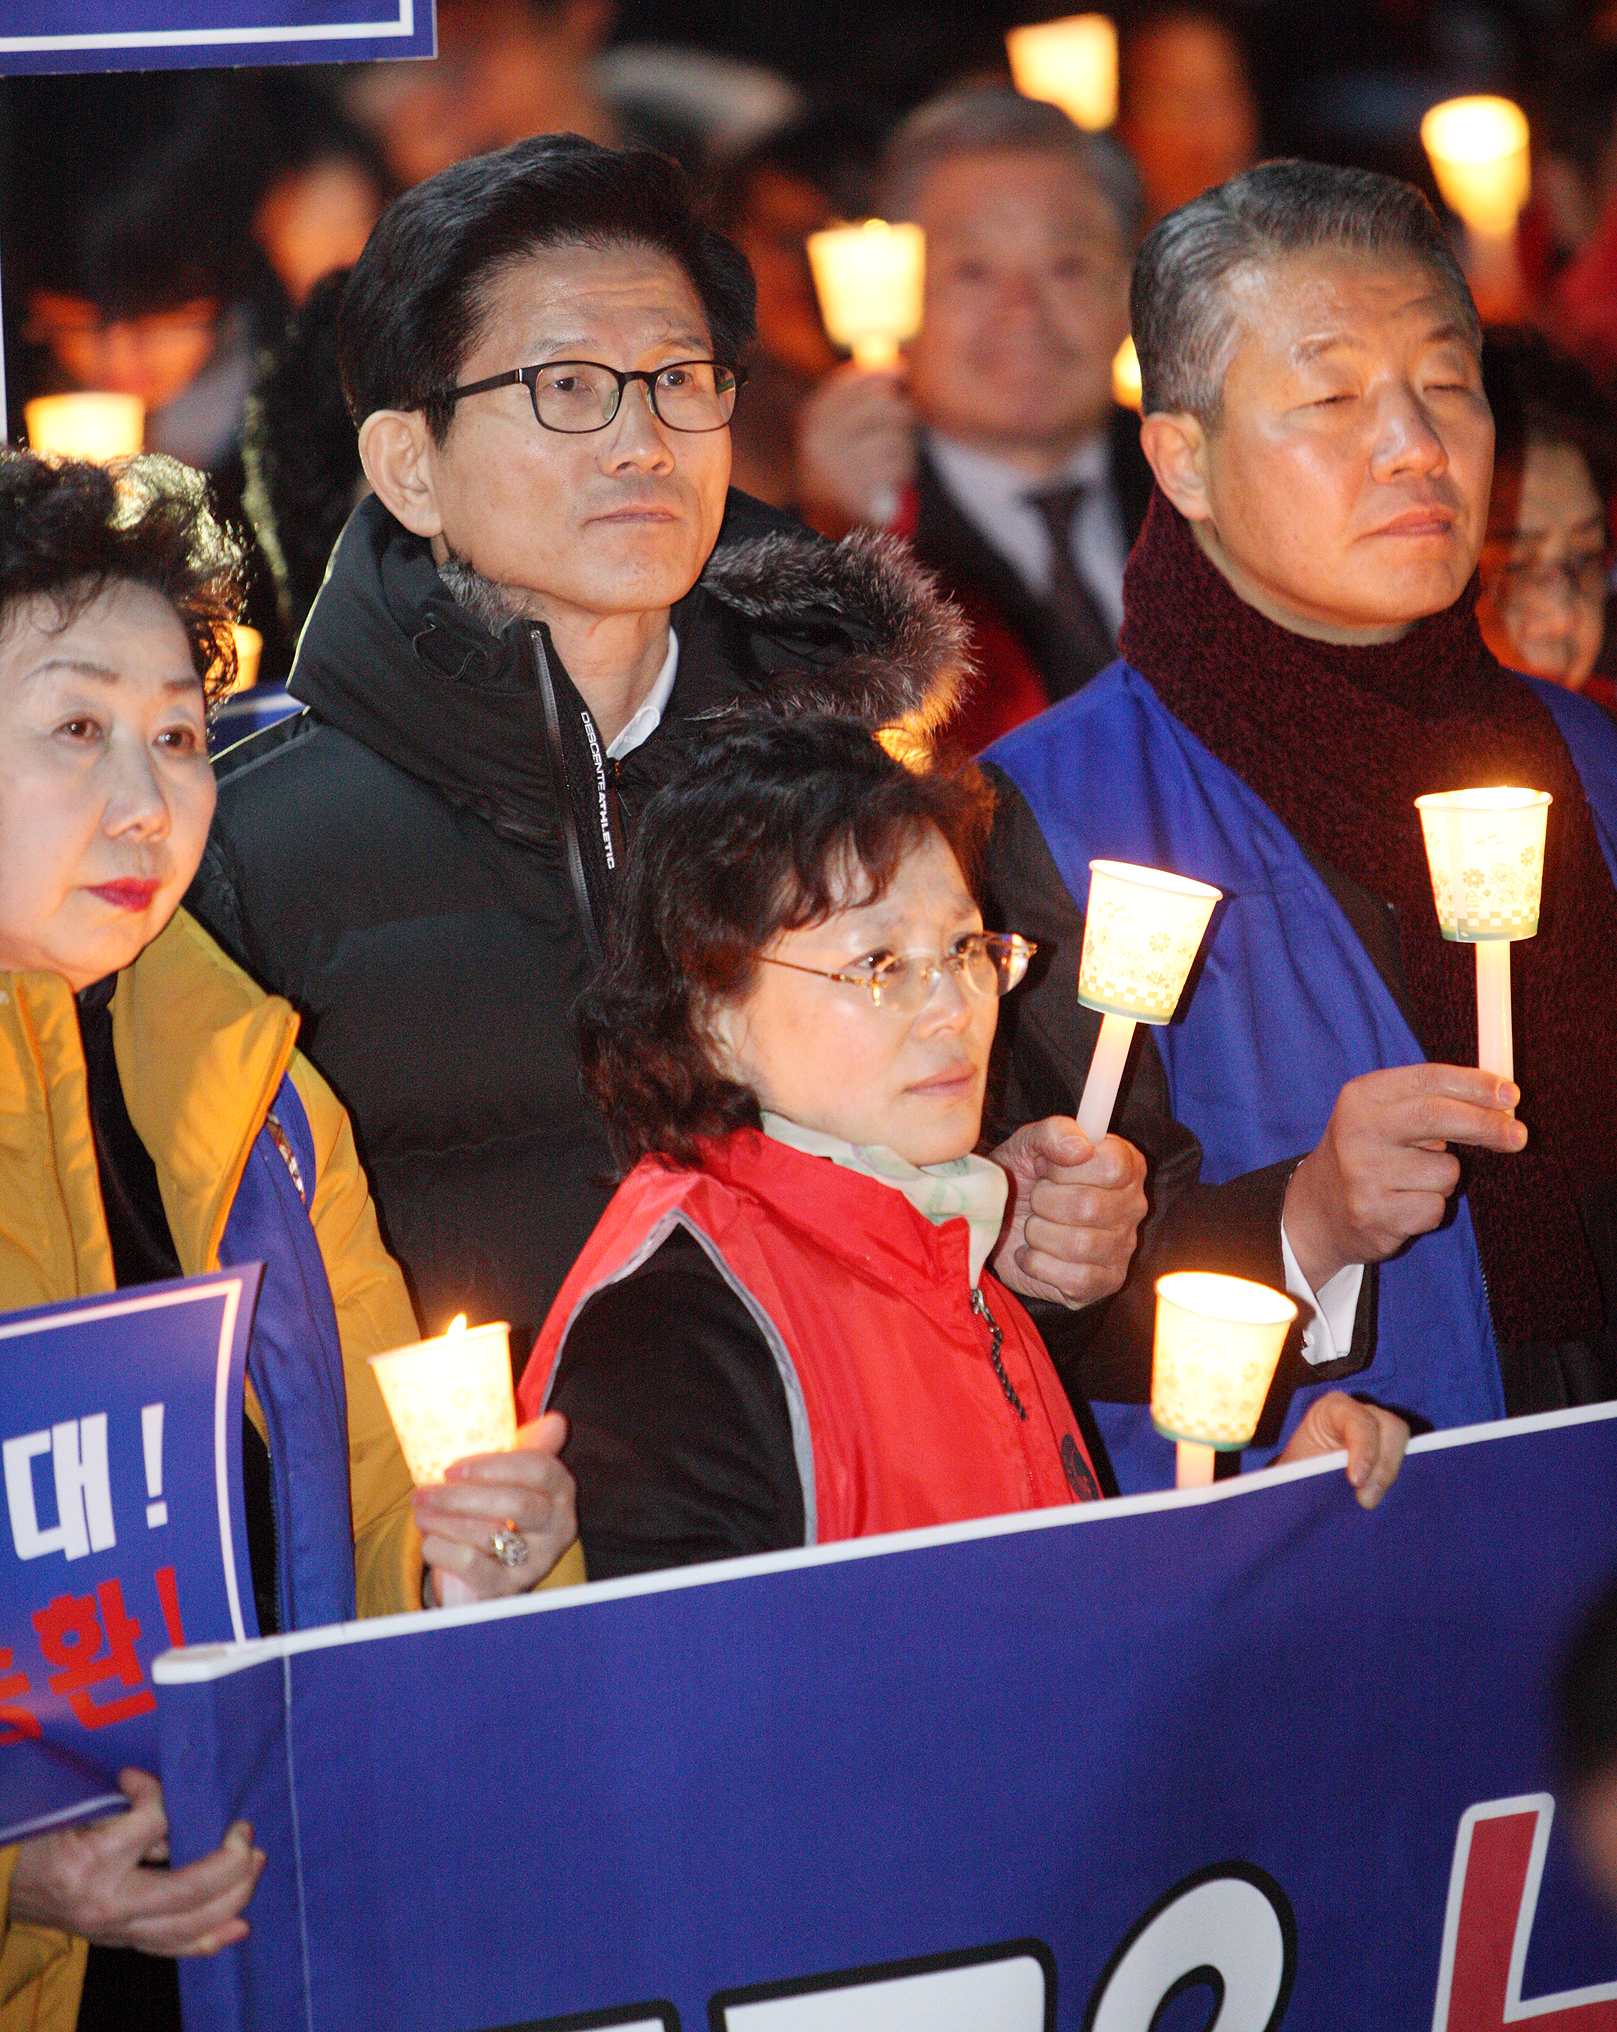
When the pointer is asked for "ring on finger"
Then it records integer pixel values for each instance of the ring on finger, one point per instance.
(509, 1547)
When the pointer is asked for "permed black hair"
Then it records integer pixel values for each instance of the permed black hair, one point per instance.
(413, 305)
(69, 529)
(758, 837)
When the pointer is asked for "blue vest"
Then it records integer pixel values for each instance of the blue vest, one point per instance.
(1287, 1008)
(295, 1360)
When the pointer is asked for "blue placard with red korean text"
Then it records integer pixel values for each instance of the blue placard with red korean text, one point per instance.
(111, 35)
(1092, 1770)
(124, 1528)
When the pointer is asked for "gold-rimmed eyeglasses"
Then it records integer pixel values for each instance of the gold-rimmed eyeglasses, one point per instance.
(983, 962)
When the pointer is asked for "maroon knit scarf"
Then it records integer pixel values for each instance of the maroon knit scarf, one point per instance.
(1338, 742)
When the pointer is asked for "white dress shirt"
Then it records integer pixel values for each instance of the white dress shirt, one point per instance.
(645, 721)
(1328, 1335)
(992, 496)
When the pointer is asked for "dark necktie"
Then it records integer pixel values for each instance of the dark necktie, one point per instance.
(1093, 644)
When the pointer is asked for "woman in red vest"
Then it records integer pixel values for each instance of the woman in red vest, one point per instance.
(784, 1331)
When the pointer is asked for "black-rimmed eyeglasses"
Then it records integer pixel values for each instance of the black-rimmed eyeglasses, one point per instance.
(583, 395)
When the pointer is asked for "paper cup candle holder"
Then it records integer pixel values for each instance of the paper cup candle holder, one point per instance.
(1141, 935)
(450, 1397)
(869, 280)
(1485, 849)
(1218, 1340)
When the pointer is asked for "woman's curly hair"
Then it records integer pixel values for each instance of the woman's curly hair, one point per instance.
(69, 529)
(764, 833)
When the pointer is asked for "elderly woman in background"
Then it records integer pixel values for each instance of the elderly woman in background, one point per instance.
(784, 1330)
(158, 1123)
(1546, 557)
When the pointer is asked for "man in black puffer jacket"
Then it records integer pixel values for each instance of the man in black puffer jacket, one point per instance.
(525, 632)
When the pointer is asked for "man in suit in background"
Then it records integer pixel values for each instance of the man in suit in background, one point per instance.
(998, 449)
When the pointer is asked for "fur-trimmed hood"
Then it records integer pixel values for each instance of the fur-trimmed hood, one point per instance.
(394, 661)
(891, 650)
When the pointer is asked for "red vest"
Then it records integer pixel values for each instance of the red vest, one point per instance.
(898, 1415)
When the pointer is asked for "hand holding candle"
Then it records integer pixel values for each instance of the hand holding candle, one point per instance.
(1075, 1213)
(1142, 931)
(495, 1504)
(1382, 1172)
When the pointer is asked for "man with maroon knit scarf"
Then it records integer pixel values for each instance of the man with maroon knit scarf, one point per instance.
(1300, 661)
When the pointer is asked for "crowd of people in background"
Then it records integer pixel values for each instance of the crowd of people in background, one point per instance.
(182, 261)
(604, 825)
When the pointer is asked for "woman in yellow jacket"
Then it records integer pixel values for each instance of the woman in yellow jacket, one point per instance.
(156, 1121)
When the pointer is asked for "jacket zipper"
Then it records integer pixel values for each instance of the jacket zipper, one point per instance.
(996, 1340)
(564, 798)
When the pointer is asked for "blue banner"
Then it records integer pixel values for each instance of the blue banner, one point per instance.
(110, 35)
(1094, 1770)
(125, 1531)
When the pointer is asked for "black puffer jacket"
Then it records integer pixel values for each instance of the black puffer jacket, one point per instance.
(422, 863)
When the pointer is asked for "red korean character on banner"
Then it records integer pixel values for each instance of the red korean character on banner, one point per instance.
(70, 1635)
(17, 1725)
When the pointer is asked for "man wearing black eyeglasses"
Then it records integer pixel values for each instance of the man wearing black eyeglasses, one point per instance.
(526, 630)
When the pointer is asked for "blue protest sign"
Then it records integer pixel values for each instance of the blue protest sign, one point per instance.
(110, 35)
(125, 1531)
(1091, 1770)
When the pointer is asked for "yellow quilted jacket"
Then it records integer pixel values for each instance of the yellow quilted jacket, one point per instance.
(201, 1052)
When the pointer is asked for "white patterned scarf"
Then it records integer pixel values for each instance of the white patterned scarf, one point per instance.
(969, 1189)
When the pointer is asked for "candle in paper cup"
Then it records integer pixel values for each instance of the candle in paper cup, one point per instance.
(1141, 935)
(870, 280)
(1218, 1340)
(88, 425)
(450, 1397)
(1478, 151)
(1485, 850)
(1072, 63)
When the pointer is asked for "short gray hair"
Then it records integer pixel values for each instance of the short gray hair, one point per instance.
(994, 120)
(1180, 307)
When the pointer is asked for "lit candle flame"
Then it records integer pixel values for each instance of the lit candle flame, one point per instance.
(1072, 63)
(1478, 148)
(457, 1325)
(870, 280)
(1126, 376)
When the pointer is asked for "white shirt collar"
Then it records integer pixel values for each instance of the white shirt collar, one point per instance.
(645, 722)
(993, 498)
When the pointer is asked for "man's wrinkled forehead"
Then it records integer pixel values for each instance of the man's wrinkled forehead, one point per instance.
(1293, 310)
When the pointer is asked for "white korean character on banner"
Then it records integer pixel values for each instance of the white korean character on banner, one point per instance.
(78, 1450)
